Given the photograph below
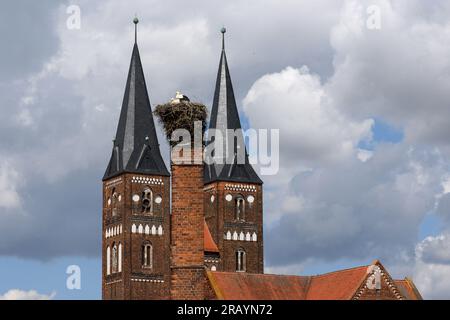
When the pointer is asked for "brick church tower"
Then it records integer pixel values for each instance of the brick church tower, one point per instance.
(136, 201)
(187, 233)
(232, 190)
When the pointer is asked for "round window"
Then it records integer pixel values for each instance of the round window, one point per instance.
(228, 197)
(251, 199)
(158, 200)
(136, 198)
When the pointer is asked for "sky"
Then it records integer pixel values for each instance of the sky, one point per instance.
(363, 114)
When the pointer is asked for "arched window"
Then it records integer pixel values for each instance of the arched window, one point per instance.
(114, 258)
(240, 207)
(147, 201)
(114, 201)
(108, 260)
(241, 263)
(147, 255)
(120, 258)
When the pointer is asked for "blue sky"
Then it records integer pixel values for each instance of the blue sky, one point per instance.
(50, 276)
(318, 73)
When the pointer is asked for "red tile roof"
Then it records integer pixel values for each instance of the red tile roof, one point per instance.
(408, 289)
(243, 286)
(246, 286)
(339, 285)
(210, 245)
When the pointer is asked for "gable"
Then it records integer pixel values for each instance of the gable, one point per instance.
(378, 285)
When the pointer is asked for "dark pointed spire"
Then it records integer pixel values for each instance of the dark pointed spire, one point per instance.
(224, 115)
(136, 147)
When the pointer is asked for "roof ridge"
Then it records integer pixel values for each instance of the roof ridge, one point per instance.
(339, 271)
(296, 275)
(260, 274)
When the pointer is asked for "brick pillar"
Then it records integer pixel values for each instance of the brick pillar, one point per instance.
(187, 261)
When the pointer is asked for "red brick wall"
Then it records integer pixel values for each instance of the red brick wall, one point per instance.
(136, 282)
(209, 291)
(188, 270)
(220, 217)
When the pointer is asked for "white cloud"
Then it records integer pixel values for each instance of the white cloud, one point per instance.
(432, 268)
(432, 280)
(16, 294)
(364, 155)
(398, 73)
(312, 129)
(434, 249)
(89, 70)
(333, 200)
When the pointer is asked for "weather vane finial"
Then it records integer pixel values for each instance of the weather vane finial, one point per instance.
(223, 30)
(135, 21)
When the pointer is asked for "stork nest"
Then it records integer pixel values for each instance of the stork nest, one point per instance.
(181, 115)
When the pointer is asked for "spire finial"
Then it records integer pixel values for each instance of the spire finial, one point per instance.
(135, 21)
(223, 30)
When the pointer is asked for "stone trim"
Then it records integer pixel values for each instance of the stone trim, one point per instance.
(146, 229)
(113, 182)
(384, 277)
(113, 231)
(235, 236)
(147, 180)
(240, 187)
